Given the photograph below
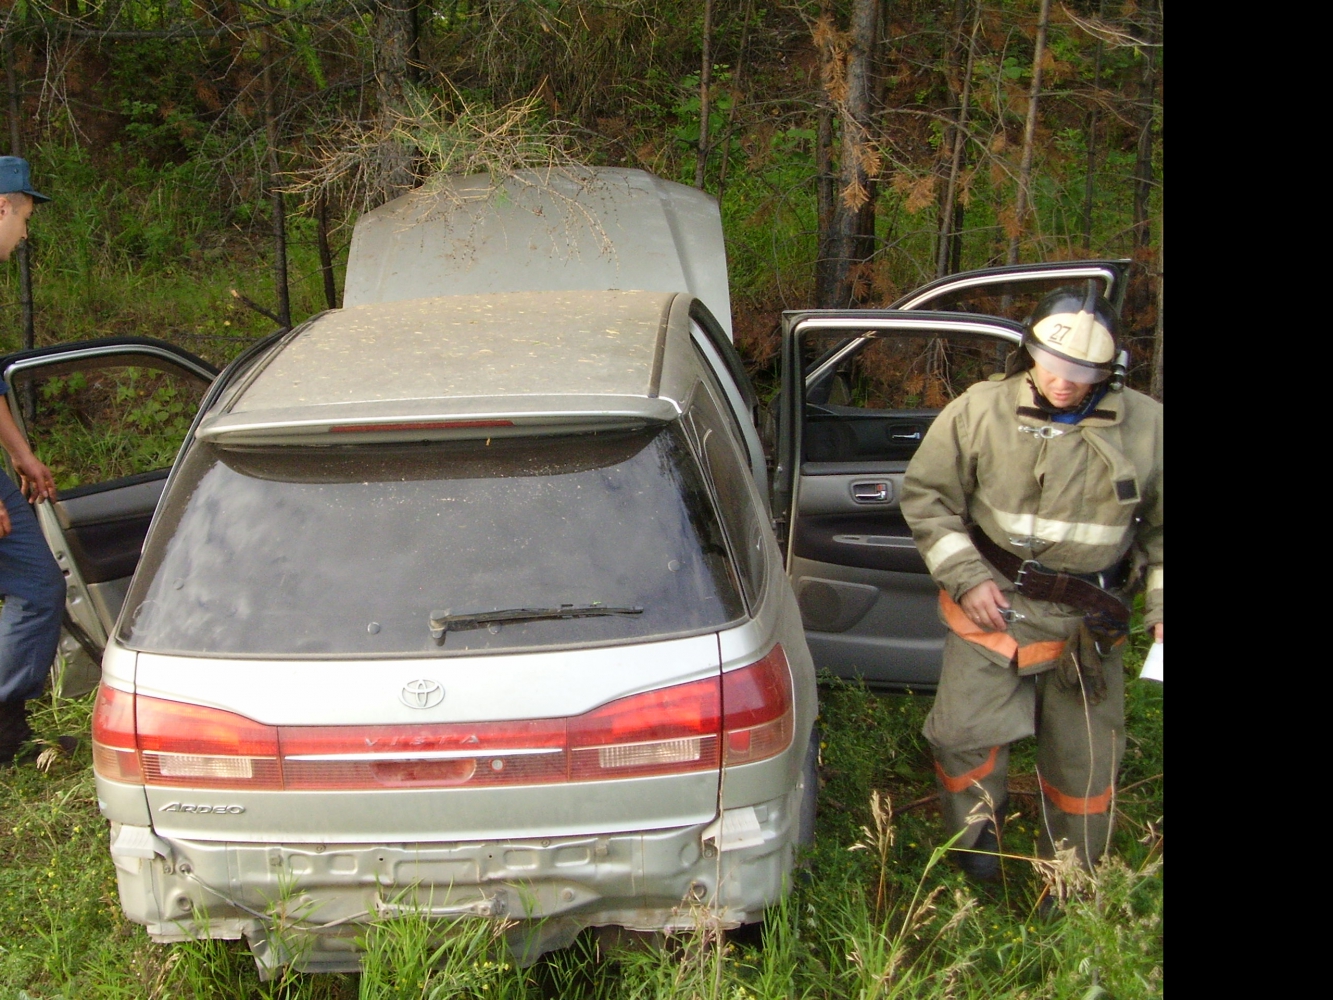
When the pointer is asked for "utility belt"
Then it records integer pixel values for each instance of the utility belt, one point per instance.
(1089, 592)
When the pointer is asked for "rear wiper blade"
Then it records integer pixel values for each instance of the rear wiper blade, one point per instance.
(446, 621)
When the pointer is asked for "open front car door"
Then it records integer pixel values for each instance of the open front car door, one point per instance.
(108, 417)
(860, 389)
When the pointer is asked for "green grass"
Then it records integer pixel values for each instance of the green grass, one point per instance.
(893, 919)
(153, 254)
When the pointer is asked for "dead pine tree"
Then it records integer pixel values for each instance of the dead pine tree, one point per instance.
(849, 77)
(1022, 197)
(394, 41)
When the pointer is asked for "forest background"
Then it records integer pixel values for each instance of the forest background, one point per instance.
(208, 159)
(858, 148)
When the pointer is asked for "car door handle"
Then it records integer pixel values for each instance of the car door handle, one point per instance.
(880, 491)
(904, 432)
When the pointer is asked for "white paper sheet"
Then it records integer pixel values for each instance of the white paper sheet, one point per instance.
(1152, 666)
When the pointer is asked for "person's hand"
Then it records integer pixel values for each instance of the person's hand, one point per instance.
(4, 520)
(982, 604)
(1157, 632)
(35, 479)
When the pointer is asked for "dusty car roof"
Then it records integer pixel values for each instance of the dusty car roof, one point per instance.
(535, 354)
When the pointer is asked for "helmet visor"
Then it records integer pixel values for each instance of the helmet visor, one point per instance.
(1082, 372)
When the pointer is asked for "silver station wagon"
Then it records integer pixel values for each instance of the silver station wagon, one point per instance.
(479, 596)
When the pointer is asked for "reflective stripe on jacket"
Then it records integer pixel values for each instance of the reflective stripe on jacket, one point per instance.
(1076, 497)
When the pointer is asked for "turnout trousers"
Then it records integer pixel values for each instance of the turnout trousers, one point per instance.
(985, 702)
(34, 592)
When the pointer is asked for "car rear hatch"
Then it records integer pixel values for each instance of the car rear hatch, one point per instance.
(439, 640)
(592, 228)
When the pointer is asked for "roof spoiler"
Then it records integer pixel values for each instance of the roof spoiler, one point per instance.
(339, 424)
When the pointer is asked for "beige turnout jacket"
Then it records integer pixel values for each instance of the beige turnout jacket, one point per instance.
(1075, 497)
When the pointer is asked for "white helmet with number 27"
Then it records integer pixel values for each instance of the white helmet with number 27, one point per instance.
(1073, 333)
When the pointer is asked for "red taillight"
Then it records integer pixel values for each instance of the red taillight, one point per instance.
(667, 731)
(200, 747)
(757, 706)
(670, 730)
(174, 727)
(114, 754)
(151, 741)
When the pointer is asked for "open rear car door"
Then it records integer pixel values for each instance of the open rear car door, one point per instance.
(108, 417)
(860, 388)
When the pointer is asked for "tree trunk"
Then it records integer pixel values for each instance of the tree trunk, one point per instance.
(705, 82)
(1088, 184)
(27, 313)
(956, 241)
(1156, 385)
(824, 202)
(393, 38)
(325, 255)
(951, 223)
(16, 149)
(737, 85)
(275, 192)
(949, 140)
(854, 210)
(876, 85)
(414, 45)
(1023, 197)
(1143, 179)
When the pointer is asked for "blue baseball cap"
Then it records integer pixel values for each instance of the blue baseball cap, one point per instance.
(14, 177)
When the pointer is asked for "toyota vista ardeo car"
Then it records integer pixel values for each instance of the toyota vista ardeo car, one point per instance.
(472, 597)
(484, 623)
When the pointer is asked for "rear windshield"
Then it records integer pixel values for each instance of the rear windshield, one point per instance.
(351, 551)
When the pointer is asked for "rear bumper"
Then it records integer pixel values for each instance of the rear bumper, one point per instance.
(308, 903)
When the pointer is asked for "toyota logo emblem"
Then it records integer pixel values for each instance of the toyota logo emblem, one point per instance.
(421, 694)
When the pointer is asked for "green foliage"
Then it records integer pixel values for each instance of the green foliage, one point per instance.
(159, 168)
(413, 957)
(127, 421)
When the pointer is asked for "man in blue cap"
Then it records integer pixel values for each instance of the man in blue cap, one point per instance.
(30, 581)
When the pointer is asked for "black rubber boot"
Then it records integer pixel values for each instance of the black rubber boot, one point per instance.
(983, 866)
(14, 730)
(1049, 908)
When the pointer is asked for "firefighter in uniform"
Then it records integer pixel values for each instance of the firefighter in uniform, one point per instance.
(1036, 501)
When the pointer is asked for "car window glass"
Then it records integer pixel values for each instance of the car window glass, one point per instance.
(731, 481)
(730, 358)
(349, 551)
(877, 402)
(724, 403)
(104, 423)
